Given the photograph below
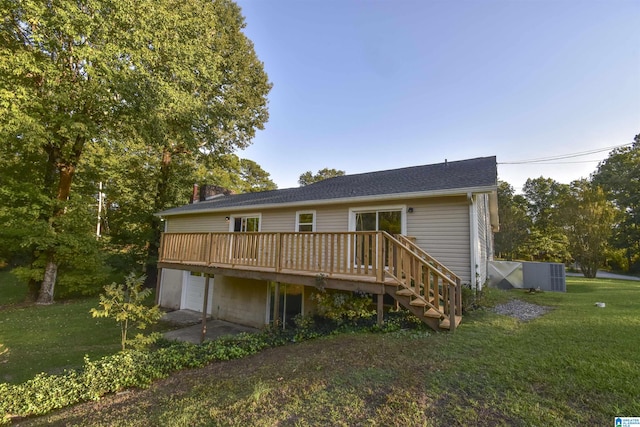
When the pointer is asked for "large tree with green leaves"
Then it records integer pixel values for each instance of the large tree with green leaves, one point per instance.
(547, 240)
(588, 219)
(619, 176)
(309, 177)
(515, 224)
(179, 77)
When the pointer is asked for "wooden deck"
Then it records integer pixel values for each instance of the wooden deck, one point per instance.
(372, 262)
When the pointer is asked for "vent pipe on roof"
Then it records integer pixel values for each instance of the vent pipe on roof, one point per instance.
(446, 163)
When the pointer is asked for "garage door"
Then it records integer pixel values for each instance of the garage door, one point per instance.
(193, 292)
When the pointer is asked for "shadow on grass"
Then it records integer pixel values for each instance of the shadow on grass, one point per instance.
(580, 288)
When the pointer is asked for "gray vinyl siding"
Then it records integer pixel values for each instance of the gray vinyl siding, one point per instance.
(203, 223)
(278, 220)
(332, 218)
(441, 227)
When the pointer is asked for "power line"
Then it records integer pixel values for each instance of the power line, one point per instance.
(565, 156)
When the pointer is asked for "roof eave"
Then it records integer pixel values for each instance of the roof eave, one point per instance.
(360, 199)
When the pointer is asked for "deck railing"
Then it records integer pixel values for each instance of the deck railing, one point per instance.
(375, 255)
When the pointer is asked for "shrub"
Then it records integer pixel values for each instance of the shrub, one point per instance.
(343, 307)
(130, 368)
(125, 304)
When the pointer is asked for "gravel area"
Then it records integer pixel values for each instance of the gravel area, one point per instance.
(521, 310)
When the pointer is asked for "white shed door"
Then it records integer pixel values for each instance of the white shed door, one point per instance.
(193, 293)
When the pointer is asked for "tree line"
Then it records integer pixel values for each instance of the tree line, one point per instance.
(143, 97)
(110, 111)
(591, 222)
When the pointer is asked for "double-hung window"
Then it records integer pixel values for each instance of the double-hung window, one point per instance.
(306, 221)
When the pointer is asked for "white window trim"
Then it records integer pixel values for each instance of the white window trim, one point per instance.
(313, 223)
(377, 208)
(232, 220)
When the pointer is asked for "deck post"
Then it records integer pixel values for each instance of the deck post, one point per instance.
(278, 251)
(380, 258)
(207, 256)
(380, 308)
(452, 307)
(205, 304)
(276, 305)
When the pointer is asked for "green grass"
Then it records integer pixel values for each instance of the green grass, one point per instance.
(577, 365)
(52, 338)
(11, 291)
(36, 339)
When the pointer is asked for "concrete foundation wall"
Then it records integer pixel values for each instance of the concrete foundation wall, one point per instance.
(241, 301)
(170, 289)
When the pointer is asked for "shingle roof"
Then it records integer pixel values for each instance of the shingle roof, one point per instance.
(436, 178)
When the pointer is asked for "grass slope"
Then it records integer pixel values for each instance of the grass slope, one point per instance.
(577, 365)
(52, 338)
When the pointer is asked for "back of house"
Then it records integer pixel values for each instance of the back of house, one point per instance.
(408, 233)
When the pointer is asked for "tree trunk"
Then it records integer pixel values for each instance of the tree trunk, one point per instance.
(151, 265)
(66, 170)
(46, 289)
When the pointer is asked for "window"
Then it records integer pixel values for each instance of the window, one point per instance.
(290, 304)
(306, 221)
(379, 220)
(245, 247)
(246, 223)
(391, 219)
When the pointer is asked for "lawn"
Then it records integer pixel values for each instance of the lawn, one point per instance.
(11, 292)
(48, 338)
(51, 338)
(576, 365)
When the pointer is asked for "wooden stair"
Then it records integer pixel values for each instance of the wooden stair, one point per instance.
(446, 323)
(423, 309)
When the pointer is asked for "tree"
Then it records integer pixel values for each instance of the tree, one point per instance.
(180, 77)
(588, 221)
(254, 177)
(547, 240)
(126, 305)
(619, 176)
(514, 222)
(309, 178)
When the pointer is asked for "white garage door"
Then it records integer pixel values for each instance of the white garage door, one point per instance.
(193, 292)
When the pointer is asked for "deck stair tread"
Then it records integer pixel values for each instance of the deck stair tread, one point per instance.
(418, 302)
(446, 323)
(432, 312)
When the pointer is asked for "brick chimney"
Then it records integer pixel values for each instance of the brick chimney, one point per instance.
(195, 196)
(208, 192)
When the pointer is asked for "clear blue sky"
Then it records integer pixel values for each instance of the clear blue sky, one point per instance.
(371, 85)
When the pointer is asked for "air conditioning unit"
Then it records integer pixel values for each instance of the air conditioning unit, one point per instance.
(546, 276)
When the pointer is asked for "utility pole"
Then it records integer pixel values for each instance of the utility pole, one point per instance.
(100, 196)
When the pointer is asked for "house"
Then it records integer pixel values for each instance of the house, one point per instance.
(414, 235)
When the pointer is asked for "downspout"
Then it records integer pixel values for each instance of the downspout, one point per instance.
(473, 240)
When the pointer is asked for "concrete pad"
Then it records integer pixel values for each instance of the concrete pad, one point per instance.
(192, 334)
(182, 317)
